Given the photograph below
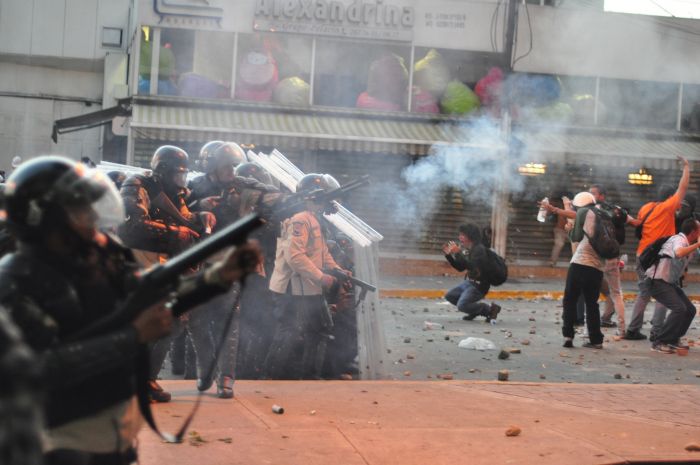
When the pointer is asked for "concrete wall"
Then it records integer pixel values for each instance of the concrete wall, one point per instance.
(51, 62)
(593, 43)
(59, 28)
(26, 123)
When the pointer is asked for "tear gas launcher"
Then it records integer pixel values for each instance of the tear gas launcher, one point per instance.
(162, 280)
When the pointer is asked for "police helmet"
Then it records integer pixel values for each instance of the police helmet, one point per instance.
(226, 154)
(168, 159)
(117, 177)
(206, 152)
(51, 191)
(315, 182)
(250, 169)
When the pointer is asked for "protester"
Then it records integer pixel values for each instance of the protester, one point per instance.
(472, 257)
(584, 276)
(611, 286)
(559, 232)
(663, 280)
(657, 219)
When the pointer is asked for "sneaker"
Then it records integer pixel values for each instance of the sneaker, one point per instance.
(469, 316)
(679, 345)
(224, 387)
(607, 324)
(156, 393)
(634, 336)
(493, 313)
(590, 345)
(663, 348)
(568, 342)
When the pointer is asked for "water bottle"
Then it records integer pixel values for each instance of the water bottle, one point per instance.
(542, 214)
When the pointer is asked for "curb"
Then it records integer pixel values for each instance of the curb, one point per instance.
(492, 295)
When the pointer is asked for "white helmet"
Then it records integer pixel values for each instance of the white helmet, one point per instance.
(583, 199)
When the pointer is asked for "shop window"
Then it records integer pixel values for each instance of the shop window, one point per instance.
(273, 68)
(362, 74)
(191, 63)
(690, 120)
(638, 104)
(543, 99)
(579, 93)
(455, 81)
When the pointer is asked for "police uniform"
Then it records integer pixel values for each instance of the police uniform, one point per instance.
(302, 254)
(155, 233)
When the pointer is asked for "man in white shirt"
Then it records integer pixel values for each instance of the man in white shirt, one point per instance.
(664, 277)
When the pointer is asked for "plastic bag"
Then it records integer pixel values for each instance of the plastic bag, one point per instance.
(476, 343)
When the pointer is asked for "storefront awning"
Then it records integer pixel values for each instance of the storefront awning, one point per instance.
(182, 120)
(615, 150)
(91, 120)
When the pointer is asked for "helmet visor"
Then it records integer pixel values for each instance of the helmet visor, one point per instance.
(89, 198)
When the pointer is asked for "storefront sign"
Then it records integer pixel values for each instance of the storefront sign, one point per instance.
(370, 20)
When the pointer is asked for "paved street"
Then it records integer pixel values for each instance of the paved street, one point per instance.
(534, 327)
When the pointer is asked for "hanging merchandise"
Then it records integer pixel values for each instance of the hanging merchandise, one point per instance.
(292, 91)
(432, 73)
(458, 99)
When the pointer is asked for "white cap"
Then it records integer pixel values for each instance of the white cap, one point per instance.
(16, 161)
(583, 199)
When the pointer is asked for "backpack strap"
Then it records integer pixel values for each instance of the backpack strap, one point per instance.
(648, 214)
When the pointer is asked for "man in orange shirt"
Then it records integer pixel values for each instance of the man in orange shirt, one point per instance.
(659, 220)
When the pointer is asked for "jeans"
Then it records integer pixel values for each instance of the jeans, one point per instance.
(640, 304)
(612, 291)
(681, 308)
(466, 297)
(584, 280)
(560, 238)
(206, 326)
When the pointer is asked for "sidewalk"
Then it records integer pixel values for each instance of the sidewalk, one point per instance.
(434, 287)
(430, 422)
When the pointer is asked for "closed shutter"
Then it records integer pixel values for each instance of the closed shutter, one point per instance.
(380, 204)
(529, 239)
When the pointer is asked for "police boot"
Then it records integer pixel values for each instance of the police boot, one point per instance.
(156, 393)
(224, 387)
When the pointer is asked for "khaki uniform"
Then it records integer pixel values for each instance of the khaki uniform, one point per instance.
(307, 254)
(304, 318)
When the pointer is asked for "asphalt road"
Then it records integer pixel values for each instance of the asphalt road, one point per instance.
(534, 327)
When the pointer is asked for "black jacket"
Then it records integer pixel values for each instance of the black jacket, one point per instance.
(473, 262)
(150, 226)
(51, 298)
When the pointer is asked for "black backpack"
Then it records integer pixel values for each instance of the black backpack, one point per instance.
(604, 238)
(495, 270)
(651, 255)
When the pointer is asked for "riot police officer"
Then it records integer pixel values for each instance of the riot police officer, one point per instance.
(210, 192)
(66, 275)
(159, 224)
(302, 257)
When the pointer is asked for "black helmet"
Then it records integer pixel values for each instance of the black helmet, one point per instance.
(314, 182)
(44, 193)
(117, 177)
(250, 169)
(206, 152)
(170, 163)
(168, 159)
(228, 153)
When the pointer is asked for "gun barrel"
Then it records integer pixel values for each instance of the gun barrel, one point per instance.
(157, 283)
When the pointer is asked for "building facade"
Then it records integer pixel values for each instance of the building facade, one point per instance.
(404, 90)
